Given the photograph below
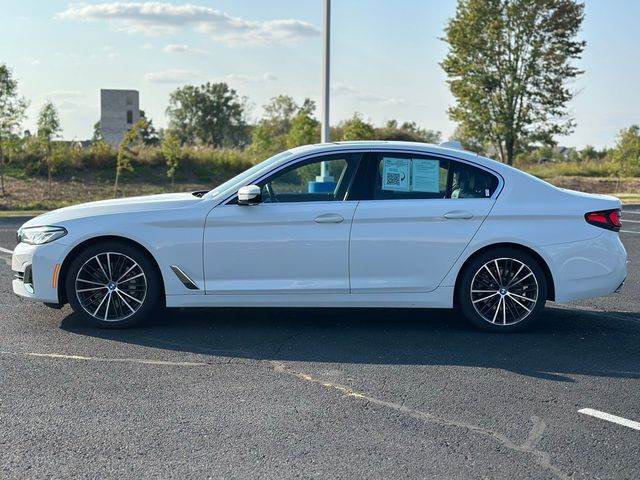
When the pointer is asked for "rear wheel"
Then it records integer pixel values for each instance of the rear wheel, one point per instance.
(502, 290)
(113, 285)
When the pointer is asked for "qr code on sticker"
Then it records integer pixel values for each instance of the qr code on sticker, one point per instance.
(393, 178)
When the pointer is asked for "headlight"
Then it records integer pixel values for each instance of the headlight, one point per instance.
(40, 235)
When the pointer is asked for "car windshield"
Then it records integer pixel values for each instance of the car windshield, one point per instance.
(239, 179)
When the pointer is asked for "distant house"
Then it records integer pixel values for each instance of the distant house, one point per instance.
(119, 111)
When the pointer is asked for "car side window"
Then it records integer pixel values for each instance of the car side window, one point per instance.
(406, 176)
(325, 178)
(468, 181)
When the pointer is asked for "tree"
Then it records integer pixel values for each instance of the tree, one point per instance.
(127, 150)
(469, 141)
(12, 108)
(48, 129)
(270, 135)
(211, 114)
(148, 132)
(172, 152)
(407, 132)
(626, 154)
(508, 65)
(97, 132)
(305, 129)
(357, 129)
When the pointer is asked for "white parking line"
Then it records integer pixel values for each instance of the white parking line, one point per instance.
(610, 418)
(629, 231)
(5, 250)
(635, 212)
(631, 221)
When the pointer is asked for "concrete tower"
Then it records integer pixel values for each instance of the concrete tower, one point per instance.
(119, 110)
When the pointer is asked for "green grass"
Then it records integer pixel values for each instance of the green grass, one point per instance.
(21, 213)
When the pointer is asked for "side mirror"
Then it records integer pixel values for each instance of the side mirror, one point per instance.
(249, 195)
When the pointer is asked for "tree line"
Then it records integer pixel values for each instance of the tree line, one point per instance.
(509, 67)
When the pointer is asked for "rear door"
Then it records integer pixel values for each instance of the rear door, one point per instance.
(416, 215)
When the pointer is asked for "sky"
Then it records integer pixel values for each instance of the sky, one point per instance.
(385, 56)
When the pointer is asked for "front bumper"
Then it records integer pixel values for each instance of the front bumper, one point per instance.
(35, 269)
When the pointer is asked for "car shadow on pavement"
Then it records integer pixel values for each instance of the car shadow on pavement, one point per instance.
(563, 342)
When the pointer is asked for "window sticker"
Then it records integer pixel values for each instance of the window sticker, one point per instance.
(425, 176)
(395, 174)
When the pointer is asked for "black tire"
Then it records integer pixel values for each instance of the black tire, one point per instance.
(135, 298)
(501, 300)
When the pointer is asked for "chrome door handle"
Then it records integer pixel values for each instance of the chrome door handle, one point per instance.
(458, 215)
(329, 218)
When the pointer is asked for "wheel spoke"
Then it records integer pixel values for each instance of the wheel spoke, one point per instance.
(516, 300)
(129, 296)
(99, 305)
(125, 273)
(125, 301)
(522, 297)
(513, 277)
(89, 281)
(484, 298)
(523, 278)
(91, 289)
(495, 315)
(106, 310)
(132, 278)
(97, 257)
(492, 276)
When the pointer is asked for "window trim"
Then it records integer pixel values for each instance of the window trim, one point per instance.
(361, 161)
(375, 154)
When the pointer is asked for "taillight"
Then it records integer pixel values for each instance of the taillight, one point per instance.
(609, 219)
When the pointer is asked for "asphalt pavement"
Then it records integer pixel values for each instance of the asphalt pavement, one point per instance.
(312, 393)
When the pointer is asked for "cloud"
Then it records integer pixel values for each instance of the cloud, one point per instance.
(242, 78)
(176, 48)
(166, 18)
(31, 60)
(172, 76)
(63, 94)
(360, 96)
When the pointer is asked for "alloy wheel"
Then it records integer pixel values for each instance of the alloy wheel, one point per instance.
(504, 291)
(111, 286)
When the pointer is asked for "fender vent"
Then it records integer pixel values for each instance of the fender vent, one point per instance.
(184, 278)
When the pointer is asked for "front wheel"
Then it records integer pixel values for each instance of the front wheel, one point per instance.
(502, 290)
(113, 285)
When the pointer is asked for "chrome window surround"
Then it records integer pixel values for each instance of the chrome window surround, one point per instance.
(438, 156)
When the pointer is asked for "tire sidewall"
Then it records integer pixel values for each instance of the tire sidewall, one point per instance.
(152, 297)
(464, 297)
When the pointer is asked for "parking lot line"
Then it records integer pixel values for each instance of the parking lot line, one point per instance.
(631, 221)
(635, 212)
(6, 250)
(610, 418)
(628, 231)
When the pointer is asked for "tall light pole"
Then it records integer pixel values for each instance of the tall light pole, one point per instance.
(326, 59)
(325, 132)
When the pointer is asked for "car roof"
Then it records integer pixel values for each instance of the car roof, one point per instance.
(392, 145)
(498, 167)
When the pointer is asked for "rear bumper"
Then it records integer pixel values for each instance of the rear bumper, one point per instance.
(589, 268)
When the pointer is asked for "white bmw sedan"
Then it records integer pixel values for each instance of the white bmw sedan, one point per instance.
(357, 224)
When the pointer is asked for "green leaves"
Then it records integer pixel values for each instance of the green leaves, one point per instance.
(508, 65)
(211, 114)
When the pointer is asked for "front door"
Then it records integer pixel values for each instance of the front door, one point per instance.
(295, 241)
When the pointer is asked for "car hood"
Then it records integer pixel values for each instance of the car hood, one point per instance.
(145, 203)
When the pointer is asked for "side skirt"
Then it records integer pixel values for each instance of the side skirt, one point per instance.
(441, 297)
